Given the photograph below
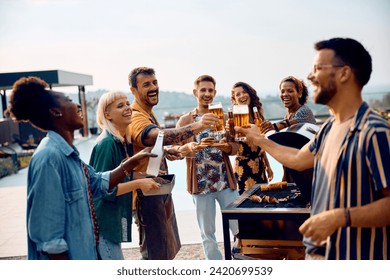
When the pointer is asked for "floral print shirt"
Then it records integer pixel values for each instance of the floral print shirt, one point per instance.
(211, 169)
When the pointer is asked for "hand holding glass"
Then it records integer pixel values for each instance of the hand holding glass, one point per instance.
(241, 119)
(216, 109)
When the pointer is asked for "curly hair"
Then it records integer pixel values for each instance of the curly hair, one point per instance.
(255, 100)
(299, 86)
(31, 102)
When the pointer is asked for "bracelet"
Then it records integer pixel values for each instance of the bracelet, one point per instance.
(125, 171)
(275, 127)
(347, 215)
(287, 122)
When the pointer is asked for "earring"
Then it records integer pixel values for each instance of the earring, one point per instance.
(59, 115)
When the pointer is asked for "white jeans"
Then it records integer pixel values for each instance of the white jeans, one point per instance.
(205, 213)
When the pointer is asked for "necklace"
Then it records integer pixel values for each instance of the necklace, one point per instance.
(125, 146)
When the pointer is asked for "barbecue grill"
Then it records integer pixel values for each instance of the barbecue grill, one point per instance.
(267, 231)
(271, 230)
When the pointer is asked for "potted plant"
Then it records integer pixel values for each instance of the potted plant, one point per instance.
(91, 107)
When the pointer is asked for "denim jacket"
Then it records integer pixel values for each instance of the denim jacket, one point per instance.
(58, 214)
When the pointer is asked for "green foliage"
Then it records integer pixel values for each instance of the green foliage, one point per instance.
(92, 103)
(380, 105)
(7, 166)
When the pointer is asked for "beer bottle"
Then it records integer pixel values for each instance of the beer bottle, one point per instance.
(155, 162)
(257, 117)
(231, 124)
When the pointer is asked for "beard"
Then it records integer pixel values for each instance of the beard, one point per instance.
(326, 93)
(152, 101)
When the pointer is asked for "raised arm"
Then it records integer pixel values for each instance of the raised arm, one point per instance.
(177, 135)
(290, 157)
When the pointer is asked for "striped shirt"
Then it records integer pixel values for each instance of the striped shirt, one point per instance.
(362, 172)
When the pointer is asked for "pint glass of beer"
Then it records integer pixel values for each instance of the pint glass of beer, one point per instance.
(241, 118)
(216, 109)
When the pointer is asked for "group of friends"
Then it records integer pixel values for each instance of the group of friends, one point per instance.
(77, 210)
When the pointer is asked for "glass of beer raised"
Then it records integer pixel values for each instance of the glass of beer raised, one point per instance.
(241, 119)
(219, 129)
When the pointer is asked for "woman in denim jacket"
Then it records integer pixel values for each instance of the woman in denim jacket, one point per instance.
(61, 221)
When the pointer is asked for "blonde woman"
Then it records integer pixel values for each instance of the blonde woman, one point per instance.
(114, 212)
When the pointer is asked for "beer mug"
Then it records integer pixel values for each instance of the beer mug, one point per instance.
(216, 109)
(241, 119)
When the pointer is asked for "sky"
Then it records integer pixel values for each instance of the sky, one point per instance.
(258, 42)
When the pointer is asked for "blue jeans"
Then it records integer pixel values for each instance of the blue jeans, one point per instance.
(109, 250)
(205, 213)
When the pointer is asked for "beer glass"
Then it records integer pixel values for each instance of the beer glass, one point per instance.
(219, 129)
(241, 119)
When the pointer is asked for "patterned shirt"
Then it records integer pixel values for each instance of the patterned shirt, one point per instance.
(249, 166)
(191, 165)
(211, 169)
(362, 172)
(302, 115)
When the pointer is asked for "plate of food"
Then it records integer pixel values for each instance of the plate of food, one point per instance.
(166, 185)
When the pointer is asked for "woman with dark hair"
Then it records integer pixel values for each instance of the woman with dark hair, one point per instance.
(61, 219)
(251, 163)
(294, 95)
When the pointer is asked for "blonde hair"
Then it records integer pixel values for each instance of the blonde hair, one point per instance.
(105, 100)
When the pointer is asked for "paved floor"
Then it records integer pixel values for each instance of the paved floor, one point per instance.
(13, 211)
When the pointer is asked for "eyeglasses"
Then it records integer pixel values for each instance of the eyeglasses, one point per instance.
(317, 67)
